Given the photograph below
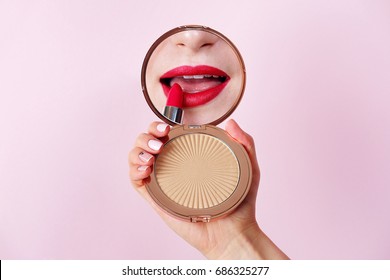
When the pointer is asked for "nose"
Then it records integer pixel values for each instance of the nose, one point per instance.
(195, 40)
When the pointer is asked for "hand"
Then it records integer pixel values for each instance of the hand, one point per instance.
(236, 236)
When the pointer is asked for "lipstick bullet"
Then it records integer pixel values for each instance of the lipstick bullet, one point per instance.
(173, 109)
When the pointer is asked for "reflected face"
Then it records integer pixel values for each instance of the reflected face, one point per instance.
(206, 67)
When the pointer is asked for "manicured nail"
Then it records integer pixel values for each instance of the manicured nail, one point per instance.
(154, 144)
(144, 156)
(142, 168)
(161, 127)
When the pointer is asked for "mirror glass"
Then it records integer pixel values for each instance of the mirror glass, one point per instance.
(206, 65)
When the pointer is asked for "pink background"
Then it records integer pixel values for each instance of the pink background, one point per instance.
(316, 102)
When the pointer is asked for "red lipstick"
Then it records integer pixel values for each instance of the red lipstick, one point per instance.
(173, 109)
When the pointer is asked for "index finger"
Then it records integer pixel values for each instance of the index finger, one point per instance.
(158, 129)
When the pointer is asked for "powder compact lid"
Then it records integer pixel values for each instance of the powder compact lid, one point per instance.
(195, 77)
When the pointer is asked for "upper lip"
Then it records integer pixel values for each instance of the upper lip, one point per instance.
(193, 71)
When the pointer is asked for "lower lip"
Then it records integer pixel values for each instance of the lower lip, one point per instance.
(199, 98)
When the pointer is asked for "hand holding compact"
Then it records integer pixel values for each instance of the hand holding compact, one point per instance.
(236, 236)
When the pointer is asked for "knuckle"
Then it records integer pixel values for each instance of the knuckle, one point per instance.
(142, 138)
(250, 143)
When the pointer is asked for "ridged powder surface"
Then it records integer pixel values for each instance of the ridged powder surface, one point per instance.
(197, 170)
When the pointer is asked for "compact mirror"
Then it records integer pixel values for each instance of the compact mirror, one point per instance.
(206, 65)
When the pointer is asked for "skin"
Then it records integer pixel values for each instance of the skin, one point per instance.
(236, 236)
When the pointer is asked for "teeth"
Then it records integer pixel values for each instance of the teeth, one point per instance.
(199, 77)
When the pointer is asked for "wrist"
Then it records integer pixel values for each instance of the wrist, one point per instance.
(250, 243)
(241, 245)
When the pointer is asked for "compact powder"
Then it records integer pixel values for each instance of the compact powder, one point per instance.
(197, 170)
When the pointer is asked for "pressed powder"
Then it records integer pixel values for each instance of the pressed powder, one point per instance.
(196, 75)
(197, 171)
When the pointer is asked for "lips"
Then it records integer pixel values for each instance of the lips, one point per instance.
(200, 84)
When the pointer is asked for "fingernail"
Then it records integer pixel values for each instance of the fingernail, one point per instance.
(154, 144)
(144, 156)
(161, 127)
(143, 168)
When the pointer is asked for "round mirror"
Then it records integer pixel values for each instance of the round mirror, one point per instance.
(205, 64)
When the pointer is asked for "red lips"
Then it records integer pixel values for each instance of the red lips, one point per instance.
(200, 84)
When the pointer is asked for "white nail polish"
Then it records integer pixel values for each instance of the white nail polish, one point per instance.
(161, 127)
(154, 144)
(144, 156)
(143, 168)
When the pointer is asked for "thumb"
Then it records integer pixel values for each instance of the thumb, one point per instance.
(241, 136)
(246, 140)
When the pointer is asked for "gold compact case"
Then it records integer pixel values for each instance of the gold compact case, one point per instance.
(193, 78)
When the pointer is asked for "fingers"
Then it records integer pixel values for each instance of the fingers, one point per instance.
(158, 129)
(140, 163)
(141, 157)
(149, 141)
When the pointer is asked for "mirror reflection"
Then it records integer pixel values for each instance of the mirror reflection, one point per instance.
(206, 66)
